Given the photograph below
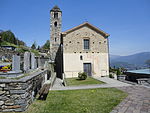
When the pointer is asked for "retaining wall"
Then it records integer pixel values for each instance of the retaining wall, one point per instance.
(17, 95)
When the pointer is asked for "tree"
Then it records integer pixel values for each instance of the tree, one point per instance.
(8, 36)
(46, 45)
(38, 48)
(118, 71)
(34, 45)
(148, 63)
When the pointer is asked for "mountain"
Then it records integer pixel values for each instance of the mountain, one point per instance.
(114, 57)
(132, 61)
(1, 31)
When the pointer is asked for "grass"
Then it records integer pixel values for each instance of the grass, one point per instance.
(100, 100)
(77, 82)
(7, 43)
(24, 75)
(2, 77)
(21, 48)
(15, 78)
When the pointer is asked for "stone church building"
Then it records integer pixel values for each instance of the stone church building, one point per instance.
(83, 48)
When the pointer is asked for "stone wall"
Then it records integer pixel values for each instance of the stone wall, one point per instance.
(73, 41)
(74, 54)
(17, 95)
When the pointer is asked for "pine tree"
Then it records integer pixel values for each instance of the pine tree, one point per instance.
(46, 45)
(34, 45)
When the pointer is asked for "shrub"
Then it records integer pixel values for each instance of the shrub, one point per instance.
(111, 76)
(118, 72)
(82, 76)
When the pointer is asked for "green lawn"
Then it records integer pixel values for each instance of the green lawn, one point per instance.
(88, 81)
(101, 100)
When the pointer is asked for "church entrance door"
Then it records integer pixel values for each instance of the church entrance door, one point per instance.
(87, 68)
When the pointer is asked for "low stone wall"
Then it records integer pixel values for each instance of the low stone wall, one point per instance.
(17, 95)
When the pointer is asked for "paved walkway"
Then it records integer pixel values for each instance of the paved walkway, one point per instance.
(109, 83)
(138, 100)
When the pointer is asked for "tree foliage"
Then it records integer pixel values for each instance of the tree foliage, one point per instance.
(34, 45)
(118, 71)
(38, 48)
(46, 45)
(9, 36)
(82, 76)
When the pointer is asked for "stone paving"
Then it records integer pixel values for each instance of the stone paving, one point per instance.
(138, 100)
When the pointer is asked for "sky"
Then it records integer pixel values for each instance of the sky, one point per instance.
(127, 21)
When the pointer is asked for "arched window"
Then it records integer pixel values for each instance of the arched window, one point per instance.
(55, 24)
(55, 39)
(55, 15)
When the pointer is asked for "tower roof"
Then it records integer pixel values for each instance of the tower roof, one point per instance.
(56, 9)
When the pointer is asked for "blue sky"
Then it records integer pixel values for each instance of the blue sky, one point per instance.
(127, 21)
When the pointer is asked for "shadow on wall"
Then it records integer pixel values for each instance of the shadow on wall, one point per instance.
(59, 62)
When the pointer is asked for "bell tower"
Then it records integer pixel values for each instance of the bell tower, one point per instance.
(55, 30)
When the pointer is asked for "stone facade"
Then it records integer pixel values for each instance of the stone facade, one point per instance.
(96, 55)
(17, 95)
(68, 48)
(55, 30)
(73, 41)
(55, 39)
(73, 65)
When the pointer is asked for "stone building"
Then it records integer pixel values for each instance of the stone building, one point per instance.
(55, 30)
(83, 48)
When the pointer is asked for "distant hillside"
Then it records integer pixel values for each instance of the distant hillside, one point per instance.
(8, 37)
(114, 57)
(131, 61)
(1, 30)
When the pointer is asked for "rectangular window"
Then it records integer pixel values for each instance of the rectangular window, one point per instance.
(86, 44)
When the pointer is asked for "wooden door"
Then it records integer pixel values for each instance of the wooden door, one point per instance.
(87, 68)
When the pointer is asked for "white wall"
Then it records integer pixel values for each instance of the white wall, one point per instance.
(73, 65)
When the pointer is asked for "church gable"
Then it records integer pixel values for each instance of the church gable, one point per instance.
(73, 40)
(87, 25)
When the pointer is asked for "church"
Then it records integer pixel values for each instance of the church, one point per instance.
(84, 48)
